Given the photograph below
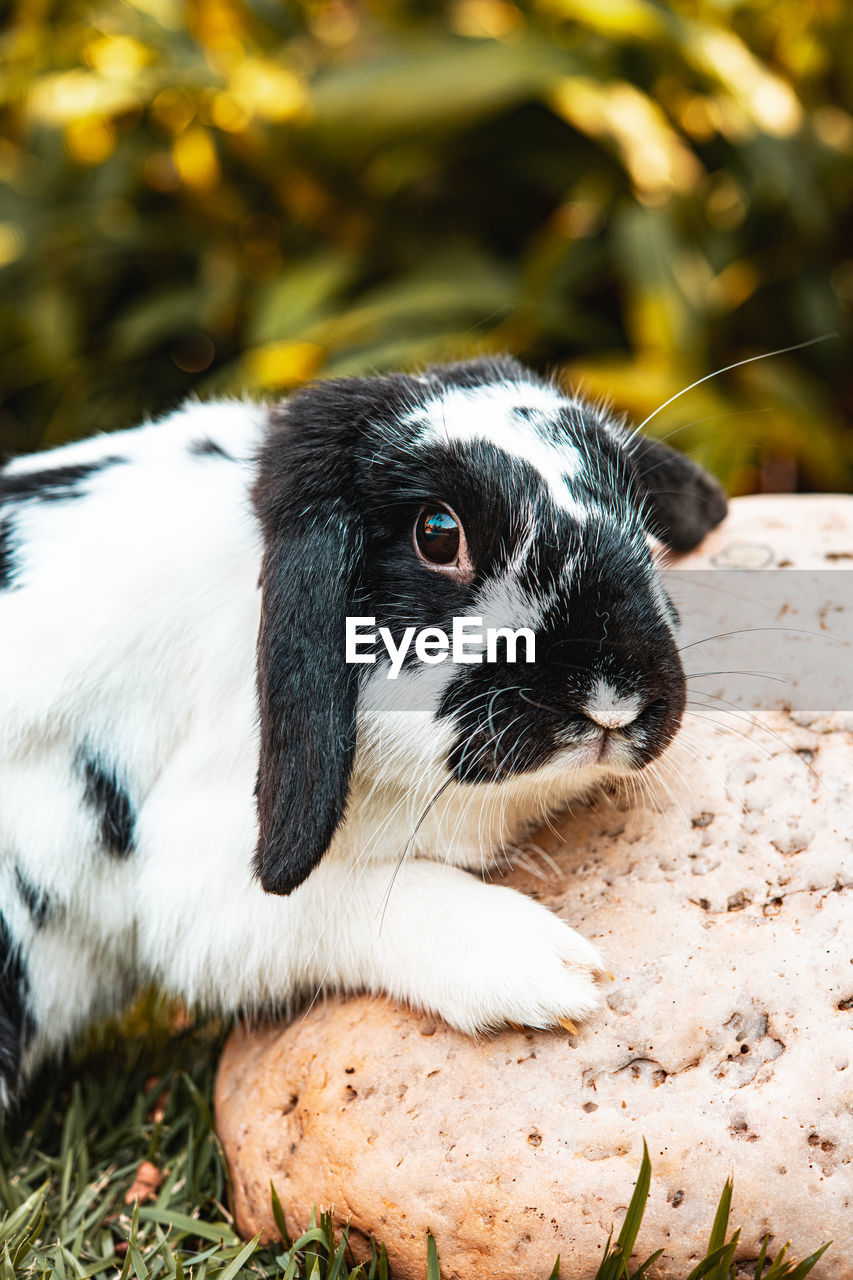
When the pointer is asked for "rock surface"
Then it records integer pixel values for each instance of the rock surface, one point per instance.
(724, 908)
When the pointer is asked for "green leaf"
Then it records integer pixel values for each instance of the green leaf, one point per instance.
(779, 1266)
(433, 1272)
(725, 1257)
(154, 320)
(314, 1235)
(278, 1215)
(721, 1218)
(709, 1263)
(31, 1232)
(636, 1208)
(229, 1272)
(759, 1266)
(134, 1228)
(301, 296)
(288, 1264)
(643, 1268)
(427, 84)
(24, 1215)
(140, 1269)
(803, 1268)
(337, 1267)
(183, 1223)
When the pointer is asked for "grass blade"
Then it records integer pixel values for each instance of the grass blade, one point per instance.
(759, 1266)
(278, 1215)
(314, 1235)
(134, 1227)
(291, 1266)
(139, 1267)
(637, 1207)
(235, 1264)
(337, 1268)
(642, 1269)
(803, 1268)
(181, 1222)
(721, 1218)
(708, 1263)
(433, 1272)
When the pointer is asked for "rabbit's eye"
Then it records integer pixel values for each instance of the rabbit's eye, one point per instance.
(438, 536)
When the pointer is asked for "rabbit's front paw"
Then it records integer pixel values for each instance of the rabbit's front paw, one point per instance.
(522, 965)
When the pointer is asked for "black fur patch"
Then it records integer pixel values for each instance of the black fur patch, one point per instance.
(53, 484)
(209, 449)
(15, 1021)
(685, 502)
(7, 560)
(111, 804)
(35, 900)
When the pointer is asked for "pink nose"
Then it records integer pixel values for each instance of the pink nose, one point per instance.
(611, 709)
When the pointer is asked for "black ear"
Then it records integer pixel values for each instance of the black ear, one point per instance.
(311, 574)
(684, 502)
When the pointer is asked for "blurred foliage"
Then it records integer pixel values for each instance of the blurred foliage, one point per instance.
(230, 194)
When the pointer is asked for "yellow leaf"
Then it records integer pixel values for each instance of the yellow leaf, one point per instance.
(117, 57)
(74, 95)
(269, 90)
(769, 101)
(633, 18)
(12, 242)
(196, 160)
(284, 364)
(656, 159)
(493, 19)
(735, 283)
(90, 141)
(230, 112)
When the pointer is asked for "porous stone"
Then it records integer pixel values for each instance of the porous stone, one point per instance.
(722, 899)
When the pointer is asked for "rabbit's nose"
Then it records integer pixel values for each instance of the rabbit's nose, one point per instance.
(609, 708)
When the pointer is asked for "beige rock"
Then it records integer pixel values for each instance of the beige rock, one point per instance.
(724, 907)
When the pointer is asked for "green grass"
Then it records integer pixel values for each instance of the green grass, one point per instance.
(69, 1156)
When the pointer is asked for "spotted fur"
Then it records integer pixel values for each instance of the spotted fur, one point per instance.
(196, 790)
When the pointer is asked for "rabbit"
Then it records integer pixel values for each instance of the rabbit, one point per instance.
(197, 789)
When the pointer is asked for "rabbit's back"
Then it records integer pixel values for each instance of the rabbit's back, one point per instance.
(128, 615)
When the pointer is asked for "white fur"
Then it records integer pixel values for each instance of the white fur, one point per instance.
(467, 414)
(132, 629)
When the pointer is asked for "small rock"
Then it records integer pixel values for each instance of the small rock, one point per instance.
(726, 1040)
(743, 555)
(145, 1185)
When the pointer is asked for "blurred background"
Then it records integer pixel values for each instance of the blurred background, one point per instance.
(233, 195)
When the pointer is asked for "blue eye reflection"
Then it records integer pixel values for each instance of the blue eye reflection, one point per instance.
(437, 523)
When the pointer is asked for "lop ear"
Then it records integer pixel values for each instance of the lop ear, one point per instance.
(311, 573)
(684, 502)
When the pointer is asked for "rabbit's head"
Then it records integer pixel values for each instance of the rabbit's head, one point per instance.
(475, 491)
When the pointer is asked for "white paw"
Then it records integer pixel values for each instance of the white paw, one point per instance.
(515, 962)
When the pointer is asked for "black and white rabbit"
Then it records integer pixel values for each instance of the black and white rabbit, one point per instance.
(196, 789)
